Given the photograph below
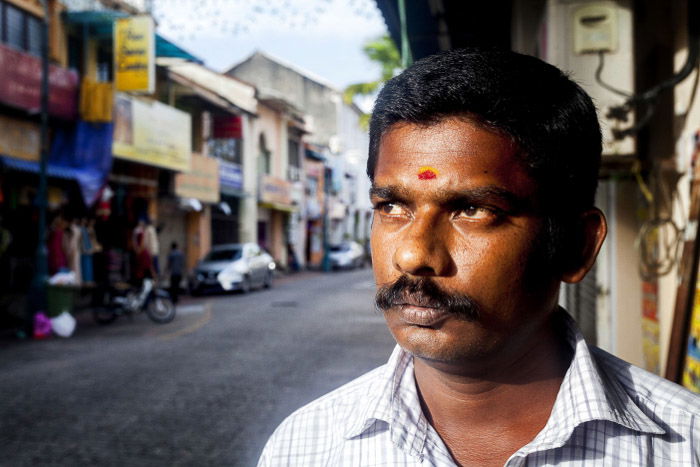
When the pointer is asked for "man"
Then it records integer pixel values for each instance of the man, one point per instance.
(176, 266)
(484, 167)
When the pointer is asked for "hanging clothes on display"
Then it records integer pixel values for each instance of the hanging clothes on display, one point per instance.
(55, 246)
(71, 246)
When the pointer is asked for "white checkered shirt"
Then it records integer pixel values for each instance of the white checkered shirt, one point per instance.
(607, 413)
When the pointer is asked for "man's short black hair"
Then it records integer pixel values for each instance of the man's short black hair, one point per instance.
(550, 118)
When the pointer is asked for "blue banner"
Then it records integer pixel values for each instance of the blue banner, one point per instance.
(85, 150)
(230, 177)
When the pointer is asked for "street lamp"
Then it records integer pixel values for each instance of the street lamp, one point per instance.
(41, 269)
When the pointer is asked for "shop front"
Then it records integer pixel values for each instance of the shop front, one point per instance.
(225, 219)
(151, 145)
(274, 209)
(315, 186)
(188, 222)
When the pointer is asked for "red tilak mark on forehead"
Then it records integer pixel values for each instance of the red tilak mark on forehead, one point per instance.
(427, 173)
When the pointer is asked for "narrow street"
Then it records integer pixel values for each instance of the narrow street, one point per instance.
(206, 389)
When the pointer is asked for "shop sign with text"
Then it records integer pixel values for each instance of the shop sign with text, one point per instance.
(19, 139)
(201, 182)
(230, 177)
(20, 84)
(152, 133)
(134, 54)
(275, 190)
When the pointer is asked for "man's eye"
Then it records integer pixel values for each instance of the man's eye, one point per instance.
(389, 209)
(474, 213)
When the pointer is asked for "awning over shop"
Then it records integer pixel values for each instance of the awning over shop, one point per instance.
(81, 152)
(315, 155)
(99, 25)
(278, 207)
(221, 90)
(55, 171)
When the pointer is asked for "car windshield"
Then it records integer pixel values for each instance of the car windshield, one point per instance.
(340, 248)
(228, 254)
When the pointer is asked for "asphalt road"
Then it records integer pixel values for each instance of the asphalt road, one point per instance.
(206, 389)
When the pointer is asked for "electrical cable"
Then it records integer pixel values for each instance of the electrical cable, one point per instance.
(599, 79)
(659, 239)
(648, 97)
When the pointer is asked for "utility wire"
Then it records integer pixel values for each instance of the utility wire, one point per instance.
(648, 98)
(599, 79)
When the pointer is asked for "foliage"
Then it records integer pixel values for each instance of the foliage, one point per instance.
(384, 52)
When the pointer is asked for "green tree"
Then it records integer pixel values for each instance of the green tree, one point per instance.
(384, 52)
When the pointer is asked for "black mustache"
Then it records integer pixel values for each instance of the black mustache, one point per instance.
(425, 292)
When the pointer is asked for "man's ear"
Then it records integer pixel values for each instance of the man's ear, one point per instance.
(592, 231)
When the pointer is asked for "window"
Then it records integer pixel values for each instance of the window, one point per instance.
(294, 166)
(19, 29)
(263, 157)
(228, 149)
(104, 64)
(34, 26)
(14, 19)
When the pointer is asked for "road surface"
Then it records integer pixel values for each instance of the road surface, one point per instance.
(206, 389)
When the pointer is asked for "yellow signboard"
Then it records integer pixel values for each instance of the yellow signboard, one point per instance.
(691, 369)
(19, 139)
(134, 54)
(202, 182)
(152, 133)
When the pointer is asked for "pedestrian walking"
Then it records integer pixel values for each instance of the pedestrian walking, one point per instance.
(176, 265)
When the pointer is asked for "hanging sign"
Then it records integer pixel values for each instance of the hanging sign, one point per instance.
(134, 54)
(152, 133)
(19, 139)
(20, 84)
(202, 182)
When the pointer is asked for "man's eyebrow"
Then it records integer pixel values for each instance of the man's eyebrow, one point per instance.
(483, 194)
(388, 192)
(478, 195)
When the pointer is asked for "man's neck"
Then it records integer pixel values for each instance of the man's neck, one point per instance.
(485, 418)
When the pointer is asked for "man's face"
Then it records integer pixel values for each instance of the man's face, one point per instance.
(455, 208)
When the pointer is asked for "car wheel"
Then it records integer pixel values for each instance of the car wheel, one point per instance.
(246, 286)
(268, 280)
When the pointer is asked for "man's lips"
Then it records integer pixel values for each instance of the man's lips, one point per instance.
(420, 315)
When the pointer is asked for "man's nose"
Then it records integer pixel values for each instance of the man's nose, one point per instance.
(422, 251)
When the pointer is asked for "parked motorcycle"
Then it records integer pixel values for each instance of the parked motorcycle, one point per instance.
(118, 301)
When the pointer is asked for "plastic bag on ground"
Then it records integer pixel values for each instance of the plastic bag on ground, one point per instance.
(63, 325)
(42, 326)
(63, 278)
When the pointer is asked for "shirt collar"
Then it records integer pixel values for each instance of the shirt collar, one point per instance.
(392, 399)
(587, 393)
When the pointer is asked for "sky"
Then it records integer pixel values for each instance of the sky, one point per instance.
(324, 37)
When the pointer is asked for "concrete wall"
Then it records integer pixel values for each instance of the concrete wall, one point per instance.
(315, 99)
(249, 205)
(544, 28)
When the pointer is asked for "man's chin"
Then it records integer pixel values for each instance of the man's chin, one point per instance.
(432, 345)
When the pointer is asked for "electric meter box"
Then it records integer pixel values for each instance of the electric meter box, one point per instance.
(595, 28)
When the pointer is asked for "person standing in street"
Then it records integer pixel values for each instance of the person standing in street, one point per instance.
(176, 266)
(484, 165)
(143, 262)
(152, 245)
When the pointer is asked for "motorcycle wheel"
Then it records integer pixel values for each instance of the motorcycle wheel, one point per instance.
(161, 309)
(103, 315)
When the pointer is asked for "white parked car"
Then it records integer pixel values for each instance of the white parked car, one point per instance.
(233, 266)
(347, 255)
